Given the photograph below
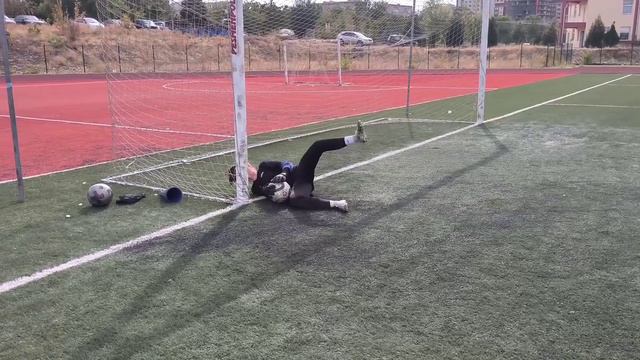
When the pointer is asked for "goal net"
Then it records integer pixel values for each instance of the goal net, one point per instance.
(310, 67)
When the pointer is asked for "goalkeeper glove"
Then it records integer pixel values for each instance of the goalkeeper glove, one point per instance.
(280, 178)
(127, 199)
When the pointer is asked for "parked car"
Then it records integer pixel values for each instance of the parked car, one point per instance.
(29, 20)
(286, 34)
(145, 24)
(401, 40)
(91, 23)
(8, 20)
(112, 22)
(161, 25)
(354, 38)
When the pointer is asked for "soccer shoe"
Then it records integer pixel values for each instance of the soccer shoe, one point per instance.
(360, 134)
(342, 205)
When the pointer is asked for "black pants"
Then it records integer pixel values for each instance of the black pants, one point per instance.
(305, 172)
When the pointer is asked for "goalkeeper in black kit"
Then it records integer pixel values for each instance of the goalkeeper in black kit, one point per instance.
(270, 174)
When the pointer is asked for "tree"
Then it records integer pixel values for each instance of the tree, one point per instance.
(193, 13)
(595, 38)
(504, 28)
(435, 18)
(455, 33)
(519, 34)
(611, 38)
(304, 16)
(550, 36)
(493, 33)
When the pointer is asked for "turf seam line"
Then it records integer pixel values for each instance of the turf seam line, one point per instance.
(21, 281)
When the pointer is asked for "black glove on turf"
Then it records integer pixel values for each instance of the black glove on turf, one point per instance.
(127, 199)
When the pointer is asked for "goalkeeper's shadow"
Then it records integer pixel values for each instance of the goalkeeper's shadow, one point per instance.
(306, 219)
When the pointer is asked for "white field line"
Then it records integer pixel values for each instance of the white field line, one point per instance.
(597, 106)
(86, 123)
(187, 160)
(10, 285)
(21, 85)
(405, 120)
(554, 100)
(256, 134)
(175, 86)
(184, 161)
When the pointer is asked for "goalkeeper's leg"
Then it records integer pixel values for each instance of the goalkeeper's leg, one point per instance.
(305, 172)
(301, 198)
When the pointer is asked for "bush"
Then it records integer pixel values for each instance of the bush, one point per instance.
(587, 59)
(595, 38)
(611, 38)
(57, 41)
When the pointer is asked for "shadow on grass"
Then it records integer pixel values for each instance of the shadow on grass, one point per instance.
(128, 345)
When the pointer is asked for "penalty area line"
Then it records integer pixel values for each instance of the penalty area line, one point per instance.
(22, 281)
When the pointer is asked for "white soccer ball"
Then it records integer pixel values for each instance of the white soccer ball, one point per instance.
(99, 195)
(282, 192)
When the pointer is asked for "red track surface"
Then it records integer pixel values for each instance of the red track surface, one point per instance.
(162, 110)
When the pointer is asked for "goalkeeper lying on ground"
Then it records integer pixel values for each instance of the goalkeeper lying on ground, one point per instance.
(300, 177)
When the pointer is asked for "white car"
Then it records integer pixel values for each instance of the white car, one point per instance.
(285, 34)
(28, 20)
(354, 38)
(91, 23)
(8, 20)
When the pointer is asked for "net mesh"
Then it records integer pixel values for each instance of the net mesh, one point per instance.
(310, 67)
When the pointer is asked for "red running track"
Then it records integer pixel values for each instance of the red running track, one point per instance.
(66, 122)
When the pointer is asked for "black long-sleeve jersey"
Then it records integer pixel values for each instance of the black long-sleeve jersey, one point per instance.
(267, 170)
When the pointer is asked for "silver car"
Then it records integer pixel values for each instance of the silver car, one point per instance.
(354, 38)
(29, 20)
(90, 23)
(8, 20)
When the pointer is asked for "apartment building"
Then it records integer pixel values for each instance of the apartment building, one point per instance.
(476, 5)
(579, 15)
(549, 10)
(393, 9)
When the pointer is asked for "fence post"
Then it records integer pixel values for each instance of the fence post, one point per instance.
(489, 60)
(46, 65)
(249, 54)
(561, 50)
(571, 54)
(554, 55)
(186, 55)
(119, 61)
(309, 57)
(153, 55)
(546, 61)
(398, 48)
(428, 57)
(521, 53)
(631, 55)
(84, 66)
(368, 58)
(458, 66)
(601, 55)
(218, 57)
(279, 57)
